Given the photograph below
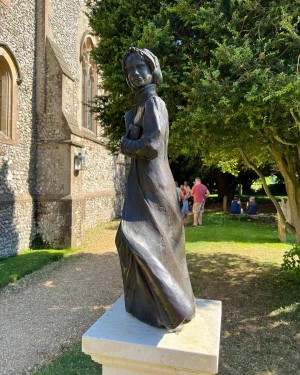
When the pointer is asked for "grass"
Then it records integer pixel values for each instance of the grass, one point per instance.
(240, 231)
(237, 262)
(17, 266)
(73, 362)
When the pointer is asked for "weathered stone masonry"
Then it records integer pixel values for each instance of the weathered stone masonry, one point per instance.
(41, 194)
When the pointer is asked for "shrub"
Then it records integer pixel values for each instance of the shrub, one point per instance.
(291, 262)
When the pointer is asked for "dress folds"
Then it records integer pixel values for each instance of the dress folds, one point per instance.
(150, 238)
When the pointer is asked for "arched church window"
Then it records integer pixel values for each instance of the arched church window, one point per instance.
(89, 85)
(9, 78)
(5, 100)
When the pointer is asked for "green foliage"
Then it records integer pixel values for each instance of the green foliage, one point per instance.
(119, 25)
(291, 262)
(231, 78)
(230, 71)
(241, 95)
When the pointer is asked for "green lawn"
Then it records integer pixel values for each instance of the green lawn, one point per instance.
(237, 262)
(17, 266)
(73, 362)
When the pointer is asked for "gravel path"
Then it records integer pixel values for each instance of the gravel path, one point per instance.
(50, 309)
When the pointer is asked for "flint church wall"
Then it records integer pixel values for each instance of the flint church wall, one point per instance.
(41, 194)
(17, 38)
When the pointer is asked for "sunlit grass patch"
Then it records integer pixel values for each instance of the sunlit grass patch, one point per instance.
(17, 266)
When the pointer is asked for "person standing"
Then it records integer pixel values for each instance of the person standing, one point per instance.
(178, 194)
(187, 188)
(185, 205)
(200, 193)
(188, 191)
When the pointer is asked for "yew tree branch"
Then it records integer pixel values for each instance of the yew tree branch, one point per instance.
(295, 117)
(279, 139)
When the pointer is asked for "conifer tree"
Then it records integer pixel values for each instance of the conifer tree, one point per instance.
(231, 79)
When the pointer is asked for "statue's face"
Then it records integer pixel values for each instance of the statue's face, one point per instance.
(138, 72)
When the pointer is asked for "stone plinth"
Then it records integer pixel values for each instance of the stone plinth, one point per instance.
(126, 346)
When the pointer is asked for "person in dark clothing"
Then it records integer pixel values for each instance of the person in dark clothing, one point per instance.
(251, 207)
(235, 207)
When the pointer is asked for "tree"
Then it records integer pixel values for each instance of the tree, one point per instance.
(232, 83)
(245, 98)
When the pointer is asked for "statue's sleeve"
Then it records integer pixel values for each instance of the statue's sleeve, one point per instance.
(128, 119)
(147, 146)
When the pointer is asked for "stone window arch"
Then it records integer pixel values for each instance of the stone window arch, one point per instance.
(89, 80)
(9, 79)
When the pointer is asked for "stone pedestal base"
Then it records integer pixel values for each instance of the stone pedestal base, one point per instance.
(126, 346)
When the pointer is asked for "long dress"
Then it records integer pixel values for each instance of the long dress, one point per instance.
(150, 239)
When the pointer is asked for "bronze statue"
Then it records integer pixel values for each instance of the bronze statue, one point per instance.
(150, 238)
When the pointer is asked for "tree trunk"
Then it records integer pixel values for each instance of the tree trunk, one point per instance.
(289, 170)
(285, 174)
(227, 184)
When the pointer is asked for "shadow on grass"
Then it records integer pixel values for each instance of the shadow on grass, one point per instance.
(261, 313)
(72, 362)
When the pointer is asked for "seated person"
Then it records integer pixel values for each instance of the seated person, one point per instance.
(251, 207)
(235, 207)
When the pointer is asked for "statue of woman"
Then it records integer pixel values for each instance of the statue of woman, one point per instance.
(150, 238)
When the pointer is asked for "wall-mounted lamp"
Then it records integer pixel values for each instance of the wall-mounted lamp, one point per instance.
(79, 162)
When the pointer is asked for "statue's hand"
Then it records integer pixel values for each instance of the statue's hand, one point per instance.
(134, 132)
(124, 146)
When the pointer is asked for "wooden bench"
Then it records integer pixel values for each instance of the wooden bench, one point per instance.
(234, 216)
(244, 215)
(252, 217)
